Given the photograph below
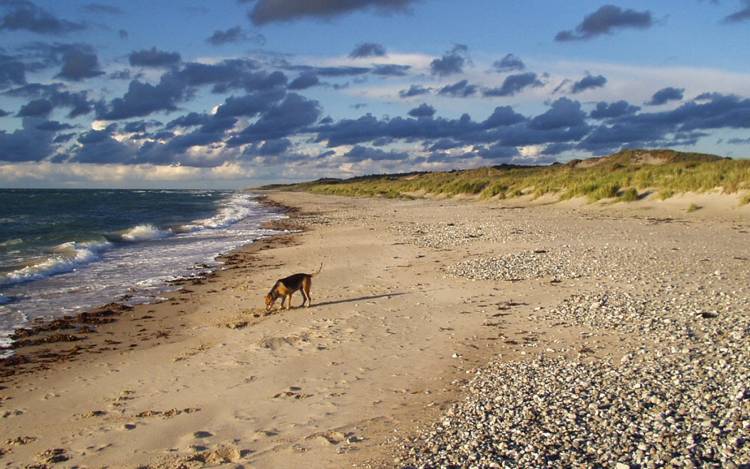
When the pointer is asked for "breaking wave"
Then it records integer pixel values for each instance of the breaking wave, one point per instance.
(64, 257)
(68, 256)
(233, 209)
(144, 232)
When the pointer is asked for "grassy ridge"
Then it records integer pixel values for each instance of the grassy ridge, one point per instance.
(627, 175)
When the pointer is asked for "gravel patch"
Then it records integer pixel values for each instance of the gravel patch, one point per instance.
(459, 233)
(522, 266)
(681, 399)
(665, 316)
(683, 409)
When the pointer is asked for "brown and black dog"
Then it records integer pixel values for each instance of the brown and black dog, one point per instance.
(285, 287)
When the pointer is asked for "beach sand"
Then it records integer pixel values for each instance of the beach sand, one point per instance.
(397, 328)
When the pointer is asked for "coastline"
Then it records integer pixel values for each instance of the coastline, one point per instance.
(391, 343)
(59, 339)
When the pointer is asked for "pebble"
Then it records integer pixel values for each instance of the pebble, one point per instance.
(676, 396)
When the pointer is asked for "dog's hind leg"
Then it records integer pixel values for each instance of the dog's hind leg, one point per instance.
(304, 296)
(306, 291)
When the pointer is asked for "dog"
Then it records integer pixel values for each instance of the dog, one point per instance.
(285, 287)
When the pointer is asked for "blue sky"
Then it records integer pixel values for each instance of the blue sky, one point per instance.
(135, 94)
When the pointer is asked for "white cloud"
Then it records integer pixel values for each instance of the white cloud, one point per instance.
(632, 83)
(637, 83)
(531, 150)
(99, 125)
(418, 62)
(46, 174)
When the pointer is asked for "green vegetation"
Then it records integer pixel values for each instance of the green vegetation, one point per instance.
(624, 176)
(665, 194)
(630, 195)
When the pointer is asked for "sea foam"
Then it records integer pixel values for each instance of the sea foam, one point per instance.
(235, 208)
(144, 232)
(65, 257)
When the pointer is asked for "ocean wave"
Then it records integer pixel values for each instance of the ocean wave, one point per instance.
(5, 344)
(65, 258)
(129, 267)
(144, 232)
(68, 256)
(4, 300)
(235, 208)
(156, 281)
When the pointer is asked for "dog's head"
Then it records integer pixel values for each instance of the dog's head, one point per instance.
(270, 300)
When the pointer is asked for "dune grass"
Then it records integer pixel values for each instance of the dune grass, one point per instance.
(625, 176)
(630, 195)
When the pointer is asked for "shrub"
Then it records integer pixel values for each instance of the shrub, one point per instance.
(666, 194)
(605, 191)
(630, 195)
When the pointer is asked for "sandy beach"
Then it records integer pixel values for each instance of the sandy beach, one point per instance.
(421, 307)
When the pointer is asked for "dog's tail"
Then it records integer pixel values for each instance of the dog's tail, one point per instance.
(317, 271)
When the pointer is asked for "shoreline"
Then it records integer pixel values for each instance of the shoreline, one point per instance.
(399, 330)
(47, 340)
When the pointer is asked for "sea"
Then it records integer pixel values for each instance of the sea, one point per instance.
(65, 251)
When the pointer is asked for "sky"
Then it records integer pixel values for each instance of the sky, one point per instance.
(238, 93)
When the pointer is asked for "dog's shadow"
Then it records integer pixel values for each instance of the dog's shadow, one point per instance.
(352, 300)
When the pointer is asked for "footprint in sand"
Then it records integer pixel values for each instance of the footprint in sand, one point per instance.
(293, 392)
(220, 454)
(20, 440)
(275, 343)
(329, 437)
(53, 456)
(261, 434)
(92, 413)
(245, 416)
(12, 413)
(334, 437)
(122, 400)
